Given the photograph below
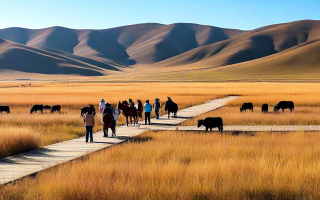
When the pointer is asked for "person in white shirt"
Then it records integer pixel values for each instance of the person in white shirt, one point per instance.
(116, 115)
(102, 105)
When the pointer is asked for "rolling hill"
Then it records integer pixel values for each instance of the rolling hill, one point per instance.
(181, 50)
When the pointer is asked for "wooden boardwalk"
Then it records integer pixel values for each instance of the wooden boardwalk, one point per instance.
(29, 163)
(285, 128)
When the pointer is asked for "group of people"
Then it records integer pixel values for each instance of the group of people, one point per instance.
(104, 108)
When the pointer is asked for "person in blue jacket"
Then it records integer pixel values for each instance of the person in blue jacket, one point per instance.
(147, 111)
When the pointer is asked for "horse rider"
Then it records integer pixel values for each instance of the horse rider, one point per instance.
(107, 110)
(169, 99)
(102, 105)
(131, 104)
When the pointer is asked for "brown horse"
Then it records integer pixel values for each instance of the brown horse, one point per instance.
(140, 108)
(128, 111)
(108, 122)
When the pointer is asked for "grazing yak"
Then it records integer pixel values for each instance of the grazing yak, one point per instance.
(56, 108)
(35, 108)
(284, 105)
(46, 107)
(5, 109)
(211, 122)
(264, 108)
(246, 106)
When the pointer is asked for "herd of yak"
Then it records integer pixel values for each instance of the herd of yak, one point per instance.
(209, 122)
(35, 108)
(216, 122)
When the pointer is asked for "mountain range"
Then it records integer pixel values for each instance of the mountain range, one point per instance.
(180, 48)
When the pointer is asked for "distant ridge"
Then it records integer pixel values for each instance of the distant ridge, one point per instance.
(180, 48)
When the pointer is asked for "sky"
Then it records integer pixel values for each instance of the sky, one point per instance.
(102, 14)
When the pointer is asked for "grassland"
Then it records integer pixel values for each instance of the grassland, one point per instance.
(44, 129)
(186, 165)
(48, 128)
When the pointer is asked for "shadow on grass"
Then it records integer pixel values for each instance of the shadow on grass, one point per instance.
(140, 139)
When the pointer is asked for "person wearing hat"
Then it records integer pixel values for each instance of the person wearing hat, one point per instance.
(102, 105)
(147, 111)
(156, 107)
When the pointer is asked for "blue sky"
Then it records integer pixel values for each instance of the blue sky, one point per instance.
(101, 14)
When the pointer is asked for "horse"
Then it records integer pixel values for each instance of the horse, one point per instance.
(36, 108)
(128, 111)
(171, 107)
(140, 108)
(85, 110)
(108, 122)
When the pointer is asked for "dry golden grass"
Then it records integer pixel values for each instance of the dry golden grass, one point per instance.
(186, 165)
(16, 140)
(54, 128)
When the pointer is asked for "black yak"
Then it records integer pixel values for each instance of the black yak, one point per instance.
(284, 105)
(264, 108)
(36, 108)
(56, 108)
(5, 109)
(246, 106)
(46, 107)
(211, 122)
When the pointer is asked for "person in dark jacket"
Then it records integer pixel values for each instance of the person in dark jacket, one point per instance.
(131, 104)
(156, 107)
(107, 109)
(147, 111)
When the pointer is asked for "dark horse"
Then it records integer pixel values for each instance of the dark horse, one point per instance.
(108, 122)
(128, 111)
(85, 110)
(140, 108)
(171, 107)
(36, 108)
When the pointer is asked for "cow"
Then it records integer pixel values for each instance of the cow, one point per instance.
(246, 106)
(56, 108)
(46, 107)
(264, 108)
(211, 122)
(35, 108)
(284, 105)
(5, 109)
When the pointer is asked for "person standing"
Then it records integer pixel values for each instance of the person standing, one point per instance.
(89, 123)
(147, 111)
(116, 115)
(156, 107)
(102, 105)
